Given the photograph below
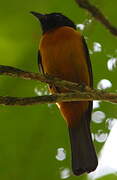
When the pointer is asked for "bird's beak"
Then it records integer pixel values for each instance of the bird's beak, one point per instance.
(38, 15)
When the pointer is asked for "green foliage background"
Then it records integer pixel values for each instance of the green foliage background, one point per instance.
(30, 136)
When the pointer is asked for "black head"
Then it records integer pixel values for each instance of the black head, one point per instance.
(53, 20)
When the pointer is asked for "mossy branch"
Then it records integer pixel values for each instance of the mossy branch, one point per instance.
(77, 92)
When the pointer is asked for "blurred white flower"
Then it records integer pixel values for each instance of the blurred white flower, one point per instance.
(98, 116)
(100, 136)
(80, 26)
(65, 173)
(41, 91)
(96, 104)
(104, 83)
(97, 47)
(61, 155)
(111, 122)
(112, 63)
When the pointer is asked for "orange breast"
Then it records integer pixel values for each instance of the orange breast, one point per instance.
(63, 56)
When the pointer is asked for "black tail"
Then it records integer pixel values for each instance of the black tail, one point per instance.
(84, 157)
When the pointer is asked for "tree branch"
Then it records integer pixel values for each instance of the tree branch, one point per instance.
(15, 72)
(76, 92)
(97, 14)
(67, 97)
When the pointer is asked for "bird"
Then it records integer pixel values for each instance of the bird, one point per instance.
(63, 53)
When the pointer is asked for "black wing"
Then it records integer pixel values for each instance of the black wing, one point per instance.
(88, 61)
(89, 111)
(40, 63)
(41, 70)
